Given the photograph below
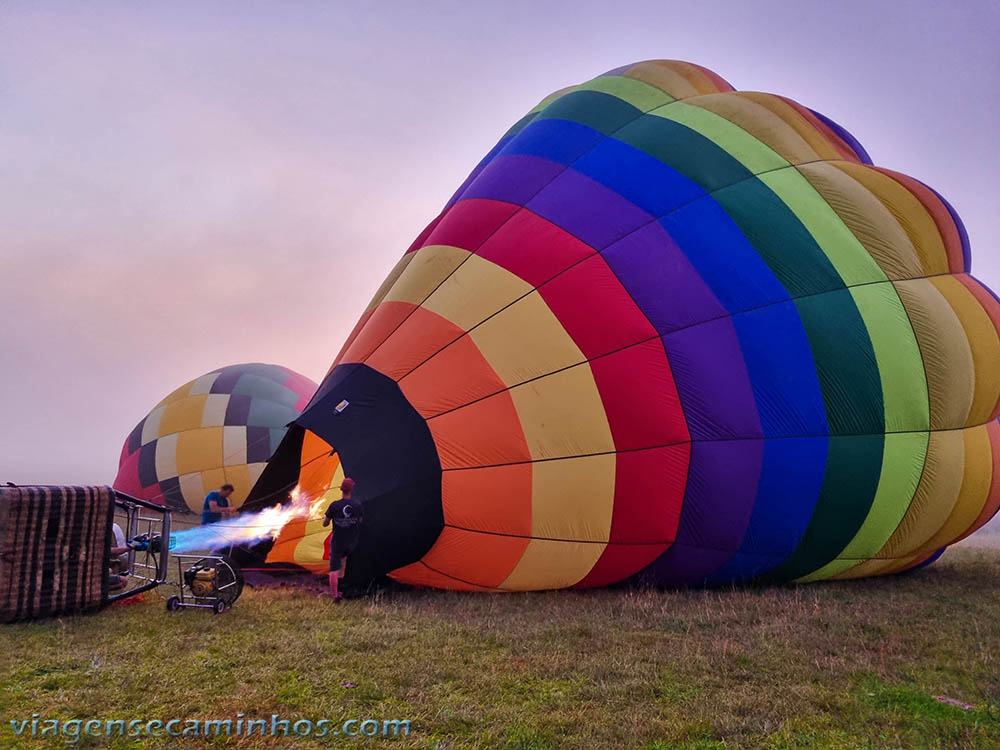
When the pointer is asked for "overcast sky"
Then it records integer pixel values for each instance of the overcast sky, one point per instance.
(185, 185)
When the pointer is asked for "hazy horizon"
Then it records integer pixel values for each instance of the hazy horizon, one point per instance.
(190, 185)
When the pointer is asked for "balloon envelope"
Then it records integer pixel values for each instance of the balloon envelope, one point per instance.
(219, 428)
(665, 330)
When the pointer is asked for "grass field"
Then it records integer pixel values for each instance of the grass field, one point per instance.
(841, 665)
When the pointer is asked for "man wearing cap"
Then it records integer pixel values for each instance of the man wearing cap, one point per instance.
(346, 515)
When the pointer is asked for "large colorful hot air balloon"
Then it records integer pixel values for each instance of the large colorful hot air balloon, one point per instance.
(664, 330)
(217, 429)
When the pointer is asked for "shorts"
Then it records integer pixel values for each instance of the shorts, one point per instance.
(339, 549)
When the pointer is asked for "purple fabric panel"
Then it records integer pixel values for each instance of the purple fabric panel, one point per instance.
(587, 209)
(712, 381)
(718, 503)
(661, 279)
(845, 136)
(237, 410)
(147, 464)
(258, 444)
(515, 179)
(226, 380)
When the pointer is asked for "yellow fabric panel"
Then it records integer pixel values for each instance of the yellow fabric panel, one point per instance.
(151, 427)
(760, 122)
(239, 477)
(183, 392)
(664, 78)
(935, 498)
(430, 266)
(562, 415)
(867, 218)
(526, 341)
(194, 490)
(806, 130)
(198, 450)
(909, 212)
(975, 487)
(983, 343)
(211, 479)
(945, 350)
(182, 415)
(475, 291)
(214, 413)
(573, 498)
(234, 445)
(166, 458)
(550, 564)
(391, 279)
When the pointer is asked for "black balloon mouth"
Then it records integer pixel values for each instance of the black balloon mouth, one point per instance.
(385, 446)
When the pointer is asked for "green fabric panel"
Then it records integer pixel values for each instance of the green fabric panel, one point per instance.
(637, 93)
(900, 366)
(902, 466)
(685, 150)
(594, 109)
(853, 467)
(779, 237)
(853, 262)
(845, 363)
(753, 154)
(258, 387)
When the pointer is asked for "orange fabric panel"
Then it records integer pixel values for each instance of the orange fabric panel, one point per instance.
(845, 151)
(992, 503)
(495, 499)
(455, 376)
(939, 212)
(992, 308)
(794, 119)
(462, 440)
(383, 321)
(318, 465)
(984, 346)
(418, 337)
(474, 557)
(418, 574)
(362, 322)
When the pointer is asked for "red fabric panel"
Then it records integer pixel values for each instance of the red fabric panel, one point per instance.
(468, 223)
(533, 248)
(618, 562)
(596, 328)
(640, 397)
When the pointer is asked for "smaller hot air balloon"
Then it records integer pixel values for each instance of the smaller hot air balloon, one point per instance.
(219, 428)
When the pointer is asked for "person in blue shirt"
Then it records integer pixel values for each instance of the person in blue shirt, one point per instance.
(216, 505)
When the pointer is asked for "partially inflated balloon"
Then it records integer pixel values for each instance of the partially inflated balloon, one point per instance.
(220, 428)
(670, 330)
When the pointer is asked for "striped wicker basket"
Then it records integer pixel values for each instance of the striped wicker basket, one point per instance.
(54, 550)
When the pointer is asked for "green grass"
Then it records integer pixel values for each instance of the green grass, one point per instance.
(839, 665)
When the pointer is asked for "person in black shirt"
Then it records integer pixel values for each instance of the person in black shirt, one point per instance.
(346, 515)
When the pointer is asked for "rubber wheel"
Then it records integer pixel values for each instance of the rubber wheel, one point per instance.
(219, 607)
(173, 604)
